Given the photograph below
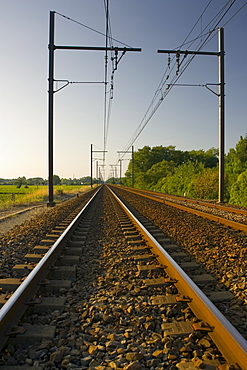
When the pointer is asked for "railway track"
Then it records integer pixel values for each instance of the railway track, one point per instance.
(115, 298)
(233, 217)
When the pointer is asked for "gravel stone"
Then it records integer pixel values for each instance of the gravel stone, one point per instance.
(107, 321)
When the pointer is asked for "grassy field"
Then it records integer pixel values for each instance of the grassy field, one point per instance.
(10, 195)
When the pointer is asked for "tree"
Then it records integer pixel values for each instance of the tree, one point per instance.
(20, 181)
(86, 180)
(236, 160)
(35, 181)
(206, 184)
(127, 180)
(156, 172)
(181, 182)
(208, 158)
(238, 192)
(146, 157)
(112, 180)
(241, 150)
(151, 165)
(142, 160)
(56, 180)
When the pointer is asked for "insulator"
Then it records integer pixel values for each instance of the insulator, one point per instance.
(177, 61)
(169, 61)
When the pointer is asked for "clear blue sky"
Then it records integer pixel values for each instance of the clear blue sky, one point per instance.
(187, 117)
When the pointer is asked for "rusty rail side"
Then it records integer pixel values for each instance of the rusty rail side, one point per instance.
(233, 224)
(158, 195)
(228, 340)
(16, 305)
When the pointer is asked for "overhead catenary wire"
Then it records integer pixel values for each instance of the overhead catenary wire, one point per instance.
(211, 34)
(235, 14)
(108, 93)
(114, 61)
(158, 95)
(91, 29)
(162, 90)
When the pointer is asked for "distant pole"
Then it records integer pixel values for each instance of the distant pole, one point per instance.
(133, 177)
(97, 176)
(100, 176)
(120, 174)
(221, 115)
(51, 202)
(94, 151)
(91, 165)
(132, 161)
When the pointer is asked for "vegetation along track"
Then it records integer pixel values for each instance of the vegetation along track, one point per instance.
(117, 309)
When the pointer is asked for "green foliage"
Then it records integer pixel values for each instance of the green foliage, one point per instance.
(151, 165)
(181, 182)
(146, 157)
(236, 160)
(206, 184)
(112, 180)
(20, 181)
(59, 191)
(56, 180)
(208, 158)
(81, 181)
(157, 171)
(192, 173)
(36, 181)
(241, 151)
(127, 180)
(11, 195)
(238, 192)
(86, 180)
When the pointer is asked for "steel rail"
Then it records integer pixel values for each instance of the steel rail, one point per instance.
(16, 305)
(19, 212)
(233, 224)
(193, 201)
(228, 340)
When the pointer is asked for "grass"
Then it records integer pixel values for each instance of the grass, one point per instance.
(11, 196)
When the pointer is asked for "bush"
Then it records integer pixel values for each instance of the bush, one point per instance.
(238, 191)
(59, 191)
(206, 184)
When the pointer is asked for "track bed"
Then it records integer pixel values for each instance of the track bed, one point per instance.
(115, 312)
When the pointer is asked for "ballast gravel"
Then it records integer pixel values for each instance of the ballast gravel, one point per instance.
(23, 237)
(108, 321)
(221, 250)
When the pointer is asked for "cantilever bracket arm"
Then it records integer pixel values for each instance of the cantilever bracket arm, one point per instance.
(215, 93)
(60, 88)
(67, 82)
(206, 85)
